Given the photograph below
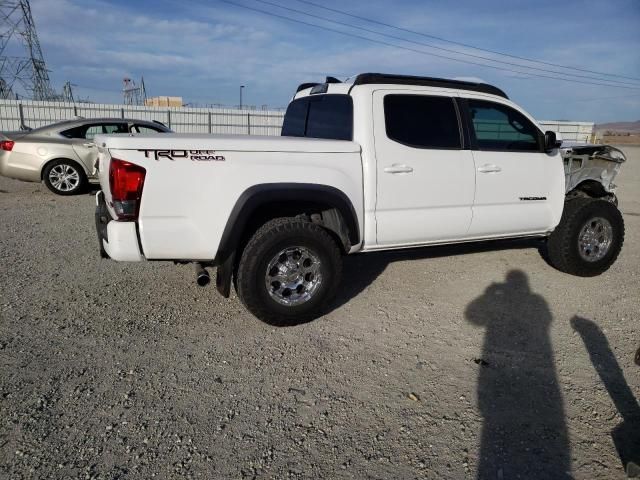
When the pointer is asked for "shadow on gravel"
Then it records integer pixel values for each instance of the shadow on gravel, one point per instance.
(524, 433)
(361, 270)
(626, 436)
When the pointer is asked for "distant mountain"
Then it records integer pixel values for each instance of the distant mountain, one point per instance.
(631, 127)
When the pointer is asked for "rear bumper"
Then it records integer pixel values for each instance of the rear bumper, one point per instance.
(22, 171)
(118, 240)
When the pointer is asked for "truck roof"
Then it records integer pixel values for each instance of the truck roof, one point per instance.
(392, 79)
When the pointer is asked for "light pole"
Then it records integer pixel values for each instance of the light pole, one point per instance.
(241, 87)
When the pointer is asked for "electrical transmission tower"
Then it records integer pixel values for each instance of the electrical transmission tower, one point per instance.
(67, 92)
(133, 94)
(26, 67)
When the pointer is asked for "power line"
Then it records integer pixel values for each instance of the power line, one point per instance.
(422, 52)
(375, 32)
(495, 52)
(594, 99)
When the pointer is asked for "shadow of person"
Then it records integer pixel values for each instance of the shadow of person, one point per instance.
(360, 271)
(524, 434)
(626, 436)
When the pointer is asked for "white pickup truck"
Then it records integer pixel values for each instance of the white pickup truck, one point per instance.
(382, 162)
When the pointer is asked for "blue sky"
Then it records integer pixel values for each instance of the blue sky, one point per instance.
(203, 50)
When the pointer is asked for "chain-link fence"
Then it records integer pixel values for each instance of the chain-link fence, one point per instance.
(18, 114)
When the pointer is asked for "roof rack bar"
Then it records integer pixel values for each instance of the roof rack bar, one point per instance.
(381, 78)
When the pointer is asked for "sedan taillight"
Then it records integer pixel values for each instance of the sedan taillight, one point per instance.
(126, 181)
(7, 145)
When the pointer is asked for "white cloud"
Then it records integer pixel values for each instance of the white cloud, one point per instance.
(204, 52)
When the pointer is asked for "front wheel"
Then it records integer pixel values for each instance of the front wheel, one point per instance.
(588, 239)
(64, 177)
(289, 271)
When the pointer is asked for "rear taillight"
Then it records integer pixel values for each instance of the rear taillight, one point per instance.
(126, 181)
(7, 145)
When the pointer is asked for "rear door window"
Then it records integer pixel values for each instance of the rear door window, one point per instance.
(146, 129)
(115, 128)
(422, 121)
(91, 130)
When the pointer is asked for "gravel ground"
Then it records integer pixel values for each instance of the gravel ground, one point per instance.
(441, 363)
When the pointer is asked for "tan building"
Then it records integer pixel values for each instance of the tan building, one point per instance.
(163, 102)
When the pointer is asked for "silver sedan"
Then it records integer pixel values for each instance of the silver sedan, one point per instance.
(62, 154)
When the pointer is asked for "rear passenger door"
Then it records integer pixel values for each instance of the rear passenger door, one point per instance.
(518, 184)
(425, 172)
(82, 140)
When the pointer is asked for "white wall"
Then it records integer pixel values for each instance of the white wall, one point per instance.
(570, 131)
(196, 120)
(179, 119)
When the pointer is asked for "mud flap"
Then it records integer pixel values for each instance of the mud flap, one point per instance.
(223, 276)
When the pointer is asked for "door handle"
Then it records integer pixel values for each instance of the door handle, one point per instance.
(89, 145)
(396, 168)
(489, 168)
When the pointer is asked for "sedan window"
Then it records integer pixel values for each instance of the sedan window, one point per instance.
(89, 131)
(115, 128)
(92, 131)
(145, 129)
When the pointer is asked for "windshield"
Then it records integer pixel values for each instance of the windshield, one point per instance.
(320, 116)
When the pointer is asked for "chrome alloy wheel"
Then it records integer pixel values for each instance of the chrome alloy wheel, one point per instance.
(64, 178)
(595, 239)
(293, 276)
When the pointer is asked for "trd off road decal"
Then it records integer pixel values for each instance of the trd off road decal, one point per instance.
(193, 155)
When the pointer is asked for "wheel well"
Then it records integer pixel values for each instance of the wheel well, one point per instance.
(321, 204)
(44, 167)
(590, 188)
(320, 213)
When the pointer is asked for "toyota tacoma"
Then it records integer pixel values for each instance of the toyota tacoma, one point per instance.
(378, 163)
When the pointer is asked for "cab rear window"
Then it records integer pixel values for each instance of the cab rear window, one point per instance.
(320, 116)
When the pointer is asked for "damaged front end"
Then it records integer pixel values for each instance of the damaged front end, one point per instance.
(591, 169)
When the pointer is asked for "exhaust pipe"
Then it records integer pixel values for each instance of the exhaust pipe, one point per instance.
(202, 276)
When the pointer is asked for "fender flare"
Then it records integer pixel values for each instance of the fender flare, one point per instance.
(258, 195)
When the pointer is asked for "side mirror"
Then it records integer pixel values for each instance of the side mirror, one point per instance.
(550, 141)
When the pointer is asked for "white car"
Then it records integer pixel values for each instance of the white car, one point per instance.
(62, 155)
(383, 162)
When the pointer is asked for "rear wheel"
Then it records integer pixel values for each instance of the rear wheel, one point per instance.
(289, 271)
(588, 239)
(64, 177)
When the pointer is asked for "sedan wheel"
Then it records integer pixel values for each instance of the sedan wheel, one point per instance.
(64, 178)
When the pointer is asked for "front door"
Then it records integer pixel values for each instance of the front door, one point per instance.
(425, 176)
(518, 184)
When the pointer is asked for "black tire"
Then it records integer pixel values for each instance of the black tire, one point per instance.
(563, 245)
(74, 182)
(264, 247)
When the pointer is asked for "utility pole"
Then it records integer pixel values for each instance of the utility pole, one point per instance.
(241, 87)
